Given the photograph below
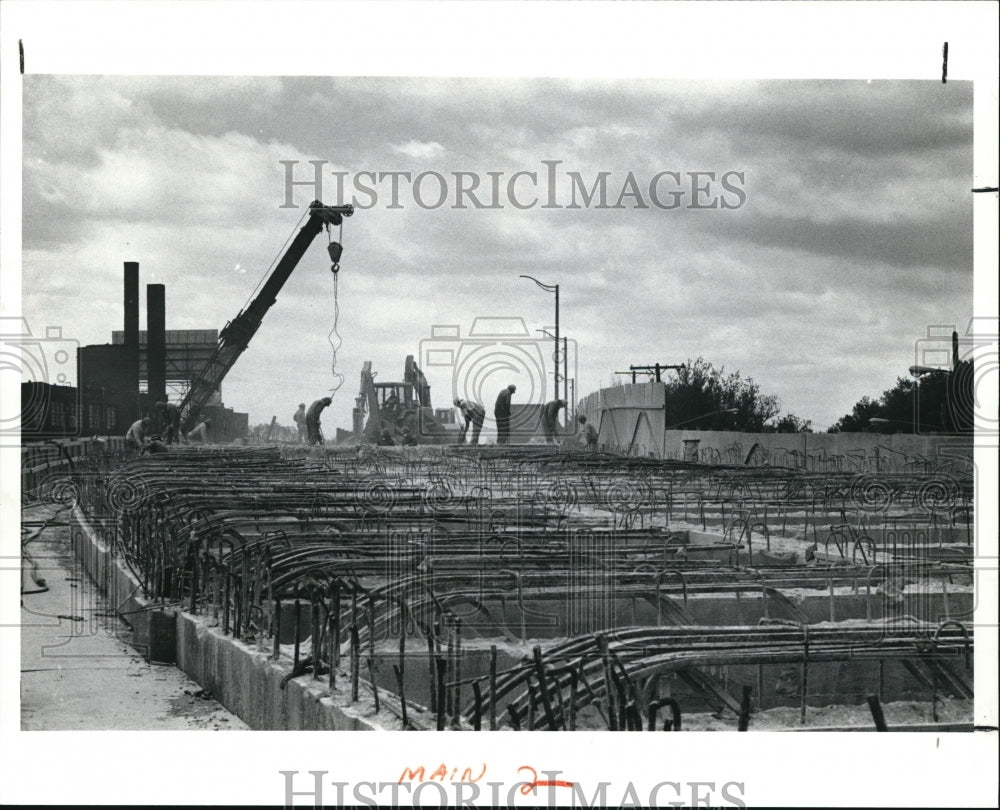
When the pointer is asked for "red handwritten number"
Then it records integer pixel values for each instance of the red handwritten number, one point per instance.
(529, 787)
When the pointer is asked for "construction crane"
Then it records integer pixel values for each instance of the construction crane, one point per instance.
(236, 336)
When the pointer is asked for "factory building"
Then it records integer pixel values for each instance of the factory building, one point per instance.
(118, 382)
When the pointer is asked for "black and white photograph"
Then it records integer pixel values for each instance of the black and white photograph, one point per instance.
(444, 367)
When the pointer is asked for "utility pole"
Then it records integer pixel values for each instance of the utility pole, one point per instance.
(655, 370)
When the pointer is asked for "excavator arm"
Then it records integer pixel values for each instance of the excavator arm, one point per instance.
(236, 336)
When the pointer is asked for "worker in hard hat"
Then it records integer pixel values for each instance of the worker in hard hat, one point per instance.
(550, 419)
(201, 431)
(501, 411)
(300, 421)
(313, 433)
(385, 439)
(474, 414)
(138, 434)
(153, 446)
(170, 421)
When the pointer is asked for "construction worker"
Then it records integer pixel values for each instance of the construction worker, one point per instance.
(138, 433)
(313, 433)
(474, 414)
(589, 432)
(501, 411)
(201, 431)
(550, 419)
(300, 421)
(154, 445)
(170, 421)
(408, 439)
(385, 439)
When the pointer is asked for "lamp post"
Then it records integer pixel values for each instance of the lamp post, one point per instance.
(555, 357)
(695, 419)
(565, 374)
(880, 422)
(917, 372)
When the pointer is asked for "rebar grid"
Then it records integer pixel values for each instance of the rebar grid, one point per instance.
(360, 547)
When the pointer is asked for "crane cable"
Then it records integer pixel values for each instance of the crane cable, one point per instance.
(277, 256)
(335, 346)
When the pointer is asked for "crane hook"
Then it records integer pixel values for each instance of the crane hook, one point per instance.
(336, 250)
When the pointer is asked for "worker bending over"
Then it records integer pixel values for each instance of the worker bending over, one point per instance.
(313, 433)
(170, 421)
(153, 446)
(201, 432)
(300, 421)
(474, 414)
(550, 419)
(138, 433)
(501, 412)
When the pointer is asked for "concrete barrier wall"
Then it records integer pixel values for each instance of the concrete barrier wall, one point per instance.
(246, 681)
(93, 543)
(630, 420)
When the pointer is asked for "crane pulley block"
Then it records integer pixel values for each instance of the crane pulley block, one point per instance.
(330, 214)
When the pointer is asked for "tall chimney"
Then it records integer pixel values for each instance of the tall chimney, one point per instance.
(131, 405)
(156, 343)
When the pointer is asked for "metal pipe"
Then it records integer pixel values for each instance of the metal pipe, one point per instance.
(875, 705)
(355, 662)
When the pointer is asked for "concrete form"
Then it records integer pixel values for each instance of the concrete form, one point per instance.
(526, 552)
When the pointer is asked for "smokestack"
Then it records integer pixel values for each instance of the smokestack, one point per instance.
(156, 343)
(132, 339)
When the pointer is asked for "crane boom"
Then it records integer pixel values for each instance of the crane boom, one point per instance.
(236, 336)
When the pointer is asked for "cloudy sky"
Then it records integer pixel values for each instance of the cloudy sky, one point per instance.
(846, 233)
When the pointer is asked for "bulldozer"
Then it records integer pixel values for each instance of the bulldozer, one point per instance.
(401, 408)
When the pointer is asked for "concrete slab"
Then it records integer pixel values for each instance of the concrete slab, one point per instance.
(78, 670)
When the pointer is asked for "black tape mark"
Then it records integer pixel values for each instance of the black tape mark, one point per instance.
(985, 190)
(944, 65)
(20, 48)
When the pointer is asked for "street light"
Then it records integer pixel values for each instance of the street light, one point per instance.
(565, 374)
(552, 288)
(918, 372)
(695, 419)
(879, 422)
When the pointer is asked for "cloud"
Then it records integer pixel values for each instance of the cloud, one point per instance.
(422, 151)
(906, 245)
(856, 232)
